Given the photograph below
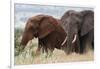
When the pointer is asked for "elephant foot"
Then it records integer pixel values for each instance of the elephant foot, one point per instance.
(67, 52)
(37, 52)
(82, 52)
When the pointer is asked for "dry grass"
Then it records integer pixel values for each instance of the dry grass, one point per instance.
(58, 56)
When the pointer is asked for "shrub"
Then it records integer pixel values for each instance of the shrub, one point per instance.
(17, 35)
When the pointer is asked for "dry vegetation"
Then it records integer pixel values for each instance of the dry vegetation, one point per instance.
(28, 56)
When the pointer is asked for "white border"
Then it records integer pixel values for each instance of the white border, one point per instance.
(75, 3)
(45, 2)
(12, 34)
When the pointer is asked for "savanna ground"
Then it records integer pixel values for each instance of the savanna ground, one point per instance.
(28, 56)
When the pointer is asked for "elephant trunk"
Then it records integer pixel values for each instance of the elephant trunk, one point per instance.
(69, 41)
(27, 36)
(72, 38)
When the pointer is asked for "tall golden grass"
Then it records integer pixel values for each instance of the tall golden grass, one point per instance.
(28, 56)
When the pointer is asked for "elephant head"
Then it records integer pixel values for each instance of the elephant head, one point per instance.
(39, 27)
(76, 24)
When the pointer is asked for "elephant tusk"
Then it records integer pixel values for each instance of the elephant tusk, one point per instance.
(64, 41)
(74, 38)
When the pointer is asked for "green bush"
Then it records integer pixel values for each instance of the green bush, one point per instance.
(17, 35)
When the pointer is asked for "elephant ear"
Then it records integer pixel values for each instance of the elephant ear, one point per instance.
(47, 26)
(88, 22)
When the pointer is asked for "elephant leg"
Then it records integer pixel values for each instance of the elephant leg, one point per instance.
(41, 47)
(77, 47)
(88, 45)
(38, 49)
(90, 40)
(85, 43)
(93, 45)
(50, 49)
(50, 52)
(82, 44)
(46, 49)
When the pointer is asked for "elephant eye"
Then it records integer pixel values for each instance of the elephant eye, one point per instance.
(31, 20)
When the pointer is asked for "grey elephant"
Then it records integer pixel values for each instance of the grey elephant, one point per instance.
(79, 27)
